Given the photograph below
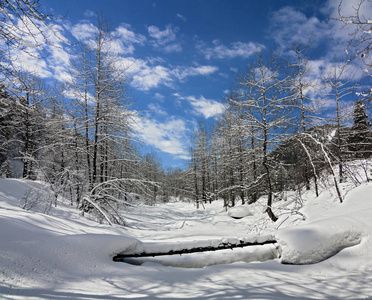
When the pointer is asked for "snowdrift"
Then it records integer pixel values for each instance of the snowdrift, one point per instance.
(317, 241)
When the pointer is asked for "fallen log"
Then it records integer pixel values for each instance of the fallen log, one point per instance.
(222, 246)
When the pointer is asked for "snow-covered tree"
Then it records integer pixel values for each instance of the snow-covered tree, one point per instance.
(303, 87)
(10, 133)
(339, 82)
(360, 140)
(354, 17)
(150, 169)
(104, 119)
(233, 152)
(200, 163)
(31, 93)
(268, 108)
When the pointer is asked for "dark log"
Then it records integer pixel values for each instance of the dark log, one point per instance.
(222, 246)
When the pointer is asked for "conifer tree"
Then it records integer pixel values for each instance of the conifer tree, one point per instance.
(360, 137)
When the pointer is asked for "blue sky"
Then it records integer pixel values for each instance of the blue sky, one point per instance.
(183, 54)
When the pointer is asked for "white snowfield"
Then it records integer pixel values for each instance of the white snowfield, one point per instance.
(63, 255)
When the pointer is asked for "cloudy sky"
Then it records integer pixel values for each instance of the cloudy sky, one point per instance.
(183, 53)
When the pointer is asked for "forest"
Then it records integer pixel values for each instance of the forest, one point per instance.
(275, 134)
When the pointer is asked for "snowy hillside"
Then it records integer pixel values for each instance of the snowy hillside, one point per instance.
(323, 253)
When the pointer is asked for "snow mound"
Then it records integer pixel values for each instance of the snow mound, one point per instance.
(331, 227)
(239, 212)
(317, 241)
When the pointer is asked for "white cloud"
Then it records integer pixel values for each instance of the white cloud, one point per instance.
(181, 17)
(172, 48)
(236, 49)
(208, 108)
(127, 35)
(123, 38)
(61, 74)
(289, 25)
(89, 14)
(32, 64)
(159, 97)
(42, 57)
(117, 46)
(150, 77)
(146, 76)
(165, 39)
(76, 94)
(32, 35)
(169, 136)
(322, 68)
(84, 31)
(204, 70)
(163, 36)
(202, 106)
(54, 61)
(183, 72)
(154, 107)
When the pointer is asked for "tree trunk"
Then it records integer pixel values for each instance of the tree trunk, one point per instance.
(222, 246)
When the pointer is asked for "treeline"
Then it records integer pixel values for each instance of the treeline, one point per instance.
(279, 132)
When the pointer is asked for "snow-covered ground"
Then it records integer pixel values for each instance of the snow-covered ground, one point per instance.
(65, 256)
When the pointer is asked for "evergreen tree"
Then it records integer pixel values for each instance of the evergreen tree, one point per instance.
(360, 137)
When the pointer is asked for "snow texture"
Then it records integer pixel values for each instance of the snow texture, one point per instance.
(239, 212)
(63, 255)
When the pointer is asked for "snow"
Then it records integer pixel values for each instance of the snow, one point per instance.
(239, 212)
(315, 242)
(326, 251)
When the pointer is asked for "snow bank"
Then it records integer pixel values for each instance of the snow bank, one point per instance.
(331, 227)
(35, 247)
(315, 242)
(14, 191)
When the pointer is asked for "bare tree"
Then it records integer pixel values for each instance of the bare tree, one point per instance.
(339, 82)
(268, 110)
(233, 150)
(24, 27)
(201, 163)
(361, 24)
(302, 87)
(104, 119)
